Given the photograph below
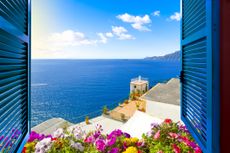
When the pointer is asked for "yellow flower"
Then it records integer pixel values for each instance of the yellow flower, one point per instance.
(131, 141)
(30, 145)
(134, 140)
(131, 150)
(127, 141)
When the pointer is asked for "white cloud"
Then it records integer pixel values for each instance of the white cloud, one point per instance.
(118, 30)
(156, 13)
(124, 36)
(138, 22)
(176, 16)
(70, 38)
(109, 34)
(121, 33)
(103, 39)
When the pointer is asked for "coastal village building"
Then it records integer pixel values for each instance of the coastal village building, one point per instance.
(139, 85)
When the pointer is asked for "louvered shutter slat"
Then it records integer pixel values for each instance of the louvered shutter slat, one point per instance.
(199, 89)
(14, 74)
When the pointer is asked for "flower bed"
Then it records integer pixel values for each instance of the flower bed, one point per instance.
(168, 137)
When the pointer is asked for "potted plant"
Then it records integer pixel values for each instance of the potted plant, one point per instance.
(126, 101)
(138, 104)
(105, 110)
(142, 110)
(123, 117)
(132, 96)
(87, 120)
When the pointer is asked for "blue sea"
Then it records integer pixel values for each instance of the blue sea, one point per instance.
(70, 89)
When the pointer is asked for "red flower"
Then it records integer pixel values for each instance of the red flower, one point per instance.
(176, 149)
(168, 121)
(24, 150)
(53, 139)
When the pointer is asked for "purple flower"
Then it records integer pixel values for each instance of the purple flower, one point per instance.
(33, 136)
(115, 133)
(114, 150)
(96, 135)
(112, 141)
(100, 145)
(126, 135)
(192, 145)
(36, 136)
(154, 125)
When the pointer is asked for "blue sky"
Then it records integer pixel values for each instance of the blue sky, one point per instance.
(113, 29)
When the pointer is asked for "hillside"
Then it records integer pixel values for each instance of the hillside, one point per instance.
(175, 56)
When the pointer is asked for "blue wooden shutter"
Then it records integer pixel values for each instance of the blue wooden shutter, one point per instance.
(199, 76)
(14, 74)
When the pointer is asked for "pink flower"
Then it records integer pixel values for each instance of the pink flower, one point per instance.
(198, 150)
(100, 145)
(173, 135)
(160, 151)
(89, 139)
(176, 149)
(157, 135)
(184, 139)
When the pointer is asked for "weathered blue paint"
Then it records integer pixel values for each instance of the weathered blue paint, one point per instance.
(200, 68)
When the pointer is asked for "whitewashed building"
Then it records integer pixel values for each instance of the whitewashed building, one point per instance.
(139, 85)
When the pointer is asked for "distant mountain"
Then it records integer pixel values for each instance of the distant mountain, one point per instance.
(175, 56)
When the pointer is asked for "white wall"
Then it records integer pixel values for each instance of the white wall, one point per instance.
(163, 110)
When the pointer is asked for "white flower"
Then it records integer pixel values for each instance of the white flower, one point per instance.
(77, 132)
(70, 129)
(43, 146)
(149, 133)
(59, 133)
(77, 146)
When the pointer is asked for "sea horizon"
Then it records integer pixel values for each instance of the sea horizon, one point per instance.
(77, 87)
